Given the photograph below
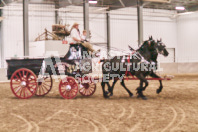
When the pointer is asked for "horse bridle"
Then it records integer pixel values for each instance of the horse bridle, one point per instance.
(162, 51)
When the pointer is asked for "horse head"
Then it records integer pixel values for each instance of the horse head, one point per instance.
(161, 47)
(148, 44)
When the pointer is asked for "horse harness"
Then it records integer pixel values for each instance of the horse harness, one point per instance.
(143, 60)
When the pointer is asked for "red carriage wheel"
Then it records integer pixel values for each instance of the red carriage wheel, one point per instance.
(87, 89)
(23, 83)
(68, 88)
(44, 85)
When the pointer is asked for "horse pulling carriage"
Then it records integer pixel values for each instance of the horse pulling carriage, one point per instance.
(29, 77)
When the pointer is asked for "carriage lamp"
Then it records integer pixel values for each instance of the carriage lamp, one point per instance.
(181, 8)
(93, 2)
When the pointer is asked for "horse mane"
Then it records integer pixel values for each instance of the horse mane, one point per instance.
(145, 43)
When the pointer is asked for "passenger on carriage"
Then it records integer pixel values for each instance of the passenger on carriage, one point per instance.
(84, 36)
(76, 38)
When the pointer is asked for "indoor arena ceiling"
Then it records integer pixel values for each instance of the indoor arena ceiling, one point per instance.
(190, 5)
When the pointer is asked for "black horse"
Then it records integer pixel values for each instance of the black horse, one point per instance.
(160, 48)
(146, 54)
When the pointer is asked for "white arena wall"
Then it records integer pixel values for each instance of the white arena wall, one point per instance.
(123, 26)
(187, 31)
(179, 68)
(178, 33)
(13, 27)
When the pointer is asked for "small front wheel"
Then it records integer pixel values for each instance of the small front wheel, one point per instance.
(68, 88)
(44, 85)
(87, 89)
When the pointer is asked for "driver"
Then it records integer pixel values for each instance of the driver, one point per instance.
(75, 35)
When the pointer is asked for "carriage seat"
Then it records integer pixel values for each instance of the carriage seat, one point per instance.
(77, 46)
(77, 49)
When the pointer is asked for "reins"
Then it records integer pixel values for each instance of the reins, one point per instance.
(128, 66)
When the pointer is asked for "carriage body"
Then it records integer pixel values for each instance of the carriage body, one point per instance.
(34, 76)
(31, 64)
(39, 64)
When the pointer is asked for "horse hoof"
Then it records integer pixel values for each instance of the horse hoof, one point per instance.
(106, 92)
(131, 95)
(144, 98)
(106, 97)
(158, 91)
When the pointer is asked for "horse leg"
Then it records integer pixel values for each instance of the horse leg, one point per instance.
(109, 87)
(112, 87)
(103, 89)
(140, 89)
(141, 85)
(123, 84)
(160, 81)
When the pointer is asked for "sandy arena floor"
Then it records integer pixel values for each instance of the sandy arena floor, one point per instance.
(174, 110)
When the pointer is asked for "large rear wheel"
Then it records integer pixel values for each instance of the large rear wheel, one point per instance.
(23, 83)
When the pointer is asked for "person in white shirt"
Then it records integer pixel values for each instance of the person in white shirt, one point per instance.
(75, 35)
(84, 36)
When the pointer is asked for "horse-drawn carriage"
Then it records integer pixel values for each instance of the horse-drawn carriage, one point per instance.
(30, 77)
